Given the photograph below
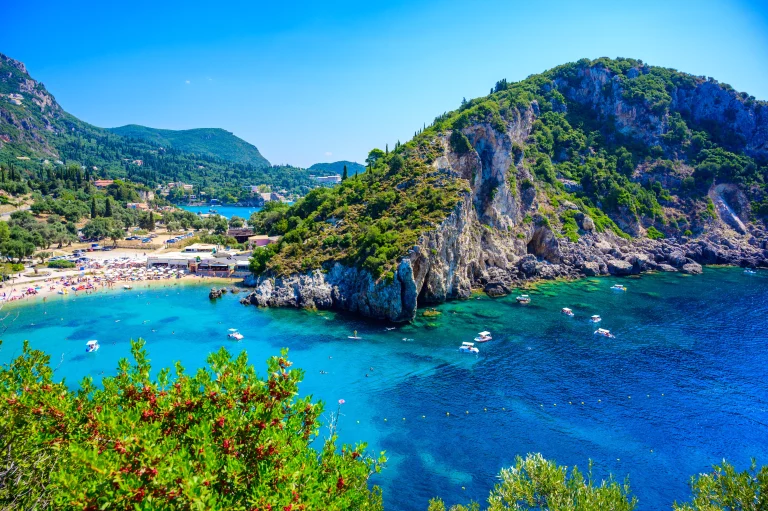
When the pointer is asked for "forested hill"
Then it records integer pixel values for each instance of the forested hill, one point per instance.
(36, 132)
(212, 142)
(337, 167)
(593, 167)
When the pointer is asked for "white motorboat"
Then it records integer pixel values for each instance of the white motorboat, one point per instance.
(523, 299)
(567, 311)
(618, 287)
(127, 287)
(468, 347)
(234, 334)
(604, 333)
(749, 271)
(483, 337)
(595, 319)
(91, 346)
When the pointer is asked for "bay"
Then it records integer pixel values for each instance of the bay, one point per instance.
(682, 386)
(227, 212)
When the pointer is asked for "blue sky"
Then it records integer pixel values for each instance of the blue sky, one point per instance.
(325, 81)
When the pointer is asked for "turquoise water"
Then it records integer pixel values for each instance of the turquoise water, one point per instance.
(682, 386)
(225, 211)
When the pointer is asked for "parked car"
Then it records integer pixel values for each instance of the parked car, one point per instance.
(171, 241)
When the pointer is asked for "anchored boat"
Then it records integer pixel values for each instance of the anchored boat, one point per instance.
(523, 299)
(604, 333)
(234, 334)
(468, 347)
(595, 319)
(483, 337)
(567, 311)
(618, 287)
(92, 346)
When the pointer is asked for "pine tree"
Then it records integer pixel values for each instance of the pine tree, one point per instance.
(93, 207)
(344, 174)
(108, 208)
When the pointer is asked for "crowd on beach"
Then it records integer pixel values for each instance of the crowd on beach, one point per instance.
(93, 276)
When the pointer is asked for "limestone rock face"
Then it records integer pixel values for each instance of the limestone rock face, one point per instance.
(497, 237)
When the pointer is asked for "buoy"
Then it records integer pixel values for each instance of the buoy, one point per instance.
(463, 488)
(403, 418)
(582, 402)
(570, 403)
(599, 400)
(485, 409)
(504, 409)
(358, 422)
(447, 413)
(385, 420)
(467, 412)
(629, 397)
(423, 416)
(554, 404)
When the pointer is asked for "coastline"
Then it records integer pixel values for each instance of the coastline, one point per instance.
(48, 296)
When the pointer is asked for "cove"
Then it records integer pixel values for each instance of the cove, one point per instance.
(227, 212)
(682, 386)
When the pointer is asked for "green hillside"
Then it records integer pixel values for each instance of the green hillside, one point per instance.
(337, 167)
(36, 135)
(213, 142)
(569, 156)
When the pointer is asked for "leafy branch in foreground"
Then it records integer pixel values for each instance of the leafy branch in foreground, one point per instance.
(535, 483)
(221, 439)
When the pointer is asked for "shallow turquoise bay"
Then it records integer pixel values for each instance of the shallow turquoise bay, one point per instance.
(243, 212)
(682, 386)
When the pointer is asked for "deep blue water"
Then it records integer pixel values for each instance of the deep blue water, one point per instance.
(225, 211)
(682, 386)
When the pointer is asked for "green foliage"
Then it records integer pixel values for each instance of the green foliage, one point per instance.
(725, 489)
(60, 264)
(261, 257)
(459, 142)
(654, 233)
(534, 483)
(224, 438)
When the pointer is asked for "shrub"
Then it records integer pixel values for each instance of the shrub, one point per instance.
(654, 233)
(60, 263)
(223, 438)
(459, 142)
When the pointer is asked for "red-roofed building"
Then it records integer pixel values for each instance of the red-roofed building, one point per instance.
(102, 183)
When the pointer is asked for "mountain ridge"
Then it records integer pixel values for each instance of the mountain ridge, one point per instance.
(609, 166)
(36, 132)
(337, 167)
(214, 142)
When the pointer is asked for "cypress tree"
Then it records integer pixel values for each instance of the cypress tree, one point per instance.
(93, 207)
(108, 208)
(151, 226)
(386, 149)
(344, 174)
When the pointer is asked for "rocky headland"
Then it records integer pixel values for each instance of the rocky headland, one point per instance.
(512, 224)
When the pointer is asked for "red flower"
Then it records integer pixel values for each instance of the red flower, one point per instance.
(340, 484)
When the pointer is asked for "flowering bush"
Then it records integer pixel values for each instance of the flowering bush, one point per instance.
(221, 439)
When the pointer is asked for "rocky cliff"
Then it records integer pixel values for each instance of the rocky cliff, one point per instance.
(528, 211)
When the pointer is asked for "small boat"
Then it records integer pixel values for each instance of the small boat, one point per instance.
(618, 287)
(483, 337)
(354, 337)
(407, 339)
(604, 333)
(127, 287)
(234, 334)
(595, 319)
(468, 347)
(92, 346)
(567, 311)
(523, 299)
(389, 328)
(749, 271)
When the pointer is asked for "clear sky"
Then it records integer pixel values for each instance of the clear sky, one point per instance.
(325, 81)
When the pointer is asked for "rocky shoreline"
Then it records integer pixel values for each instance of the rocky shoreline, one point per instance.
(354, 290)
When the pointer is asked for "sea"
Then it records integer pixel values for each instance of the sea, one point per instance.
(227, 212)
(682, 386)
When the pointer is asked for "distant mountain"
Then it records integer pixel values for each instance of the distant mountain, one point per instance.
(214, 142)
(337, 167)
(37, 133)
